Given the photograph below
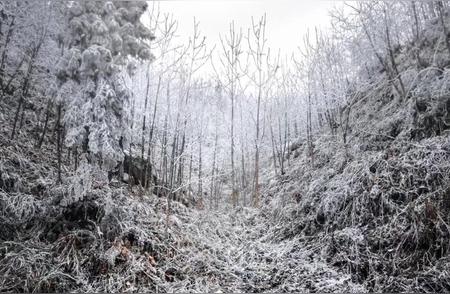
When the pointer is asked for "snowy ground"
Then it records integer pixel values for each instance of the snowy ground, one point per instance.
(234, 254)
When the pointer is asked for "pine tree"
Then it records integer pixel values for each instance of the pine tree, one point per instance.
(102, 42)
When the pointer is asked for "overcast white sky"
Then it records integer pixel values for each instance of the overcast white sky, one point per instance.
(287, 20)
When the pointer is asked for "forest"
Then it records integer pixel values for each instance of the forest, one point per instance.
(134, 158)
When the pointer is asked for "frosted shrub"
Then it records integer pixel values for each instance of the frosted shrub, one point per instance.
(80, 185)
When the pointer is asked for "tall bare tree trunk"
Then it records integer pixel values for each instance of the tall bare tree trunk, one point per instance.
(47, 117)
(274, 152)
(257, 188)
(392, 57)
(309, 135)
(59, 140)
(200, 174)
(144, 118)
(444, 27)
(213, 170)
(5, 50)
(27, 79)
(234, 192)
(148, 164)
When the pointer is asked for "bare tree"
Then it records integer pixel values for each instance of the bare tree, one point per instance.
(198, 56)
(259, 55)
(230, 62)
(166, 29)
(32, 58)
(440, 7)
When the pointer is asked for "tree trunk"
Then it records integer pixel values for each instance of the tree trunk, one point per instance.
(444, 27)
(213, 171)
(200, 175)
(392, 58)
(145, 115)
(47, 117)
(256, 190)
(26, 82)
(5, 50)
(148, 164)
(309, 130)
(234, 192)
(59, 141)
(274, 156)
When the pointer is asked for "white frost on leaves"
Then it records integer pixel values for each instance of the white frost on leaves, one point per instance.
(80, 183)
(104, 40)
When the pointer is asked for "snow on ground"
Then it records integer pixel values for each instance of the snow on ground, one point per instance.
(233, 254)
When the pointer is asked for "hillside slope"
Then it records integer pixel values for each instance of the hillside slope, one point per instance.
(378, 207)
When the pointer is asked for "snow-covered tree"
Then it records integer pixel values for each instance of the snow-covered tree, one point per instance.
(103, 40)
